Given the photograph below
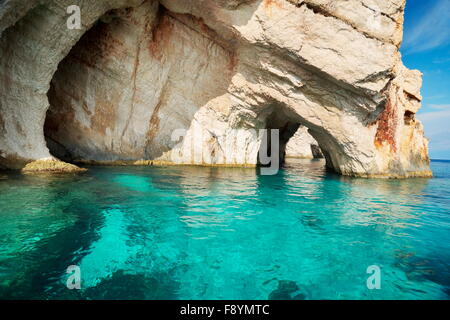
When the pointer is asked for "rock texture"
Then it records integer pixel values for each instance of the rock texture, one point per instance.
(193, 82)
(51, 165)
(303, 146)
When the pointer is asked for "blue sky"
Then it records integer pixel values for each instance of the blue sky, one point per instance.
(426, 46)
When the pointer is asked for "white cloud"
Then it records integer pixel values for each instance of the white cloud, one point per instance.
(440, 106)
(431, 31)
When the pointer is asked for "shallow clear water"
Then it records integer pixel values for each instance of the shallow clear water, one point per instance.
(224, 233)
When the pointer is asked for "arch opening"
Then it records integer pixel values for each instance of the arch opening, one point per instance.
(138, 76)
(295, 143)
(302, 145)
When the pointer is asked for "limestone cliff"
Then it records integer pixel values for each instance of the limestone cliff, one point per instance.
(191, 82)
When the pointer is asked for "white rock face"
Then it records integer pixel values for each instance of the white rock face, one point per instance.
(193, 82)
(302, 145)
(31, 50)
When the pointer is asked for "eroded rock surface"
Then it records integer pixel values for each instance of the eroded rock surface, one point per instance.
(193, 81)
(303, 146)
(51, 165)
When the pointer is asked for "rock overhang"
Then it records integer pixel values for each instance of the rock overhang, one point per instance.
(337, 71)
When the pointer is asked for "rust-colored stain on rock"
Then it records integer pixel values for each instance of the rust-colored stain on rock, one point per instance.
(387, 126)
(154, 123)
(270, 3)
(101, 46)
(233, 62)
(161, 36)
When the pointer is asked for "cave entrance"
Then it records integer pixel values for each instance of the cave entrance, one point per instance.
(295, 141)
(134, 79)
(302, 145)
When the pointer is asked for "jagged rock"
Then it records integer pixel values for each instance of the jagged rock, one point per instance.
(288, 286)
(217, 69)
(286, 291)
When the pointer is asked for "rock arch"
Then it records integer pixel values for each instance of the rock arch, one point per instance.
(312, 62)
(303, 146)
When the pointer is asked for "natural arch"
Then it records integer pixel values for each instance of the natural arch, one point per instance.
(133, 79)
(302, 58)
(303, 146)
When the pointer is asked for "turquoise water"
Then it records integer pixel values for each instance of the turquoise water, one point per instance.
(224, 233)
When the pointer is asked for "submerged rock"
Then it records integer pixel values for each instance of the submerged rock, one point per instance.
(287, 290)
(287, 286)
(279, 295)
(121, 285)
(299, 296)
(187, 82)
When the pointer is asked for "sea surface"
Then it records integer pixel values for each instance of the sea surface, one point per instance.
(224, 233)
